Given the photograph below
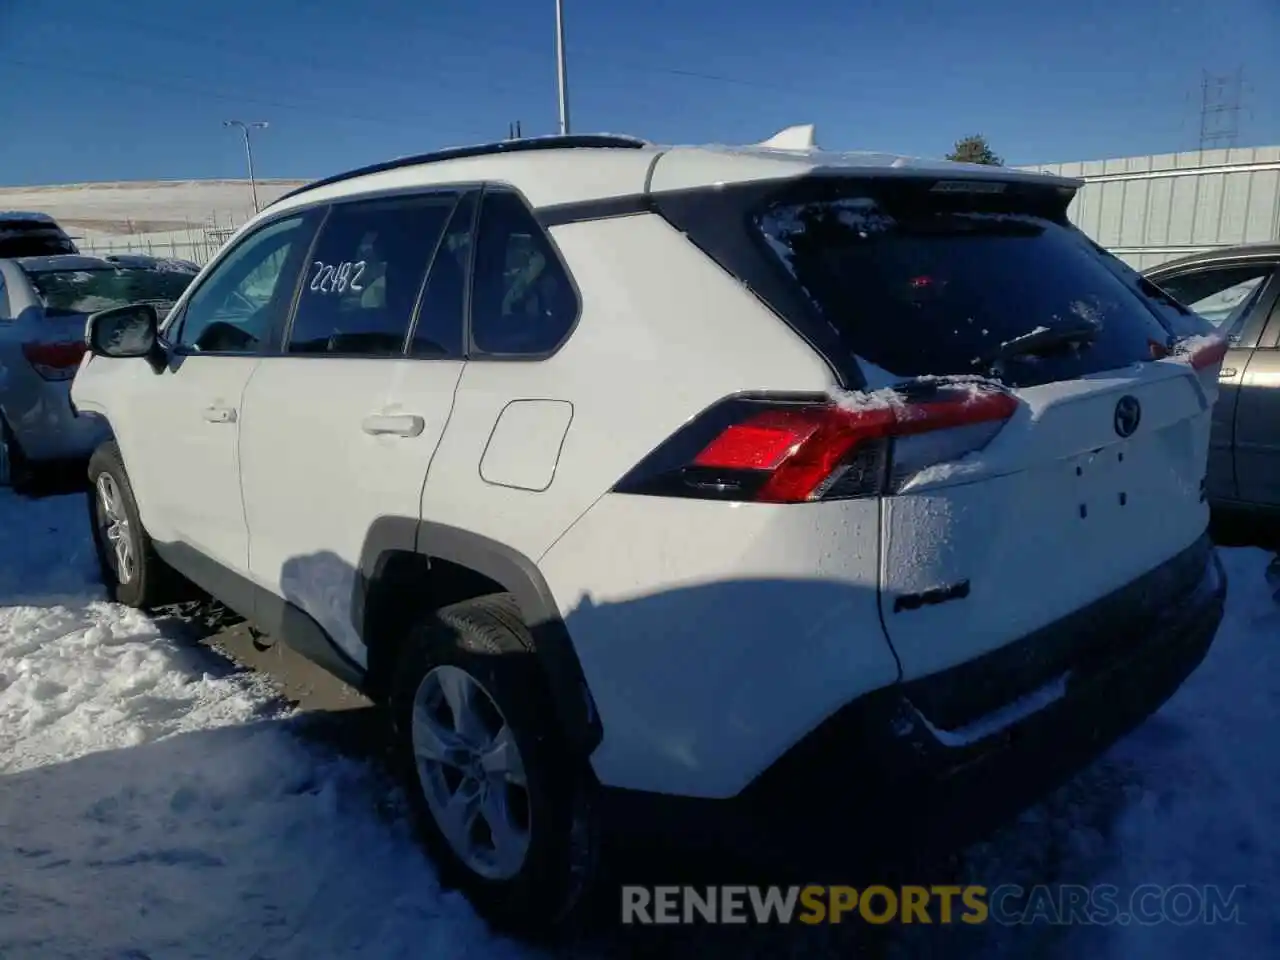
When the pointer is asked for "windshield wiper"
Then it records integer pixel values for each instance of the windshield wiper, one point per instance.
(1039, 340)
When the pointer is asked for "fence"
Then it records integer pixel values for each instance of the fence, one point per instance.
(1147, 210)
(198, 243)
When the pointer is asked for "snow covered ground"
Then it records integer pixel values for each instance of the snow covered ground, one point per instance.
(155, 802)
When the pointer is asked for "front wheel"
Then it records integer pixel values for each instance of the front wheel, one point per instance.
(131, 571)
(501, 805)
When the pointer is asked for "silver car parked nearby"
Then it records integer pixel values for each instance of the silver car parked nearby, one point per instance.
(44, 302)
(1237, 289)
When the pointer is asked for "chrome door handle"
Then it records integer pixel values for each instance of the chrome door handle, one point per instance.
(394, 424)
(1226, 373)
(220, 414)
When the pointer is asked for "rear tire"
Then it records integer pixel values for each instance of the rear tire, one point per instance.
(131, 570)
(476, 737)
(16, 471)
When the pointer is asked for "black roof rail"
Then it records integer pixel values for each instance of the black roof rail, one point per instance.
(568, 141)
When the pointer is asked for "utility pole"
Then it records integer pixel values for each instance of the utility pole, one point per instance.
(1220, 100)
(561, 70)
(244, 128)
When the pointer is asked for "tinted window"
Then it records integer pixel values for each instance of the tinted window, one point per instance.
(438, 330)
(920, 282)
(33, 238)
(237, 305)
(365, 274)
(522, 302)
(1222, 295)
(71, 292)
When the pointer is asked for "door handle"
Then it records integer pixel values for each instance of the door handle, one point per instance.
(394, 424)
(1226, 373)
(217, 414)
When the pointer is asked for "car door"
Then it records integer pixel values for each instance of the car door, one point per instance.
(340, 426)
(180, 434)
(1258, 417)
(1228, 295)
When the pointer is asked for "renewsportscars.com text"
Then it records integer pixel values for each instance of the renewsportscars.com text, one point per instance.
(1007, 904)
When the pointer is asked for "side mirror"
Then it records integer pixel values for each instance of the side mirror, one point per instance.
(128, 331)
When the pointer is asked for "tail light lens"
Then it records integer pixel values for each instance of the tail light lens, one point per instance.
(54, 361)
(1202, 352)
(798, 450)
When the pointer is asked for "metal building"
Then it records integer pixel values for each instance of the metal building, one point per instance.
(1147, 210)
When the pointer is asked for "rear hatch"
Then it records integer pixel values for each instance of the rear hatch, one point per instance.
(1082, 465)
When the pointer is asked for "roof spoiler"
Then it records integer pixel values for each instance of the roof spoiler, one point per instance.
(799, 137)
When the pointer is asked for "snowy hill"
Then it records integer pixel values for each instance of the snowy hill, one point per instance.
(188, 218)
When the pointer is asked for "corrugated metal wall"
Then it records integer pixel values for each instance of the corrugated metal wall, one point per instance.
(1148, 210)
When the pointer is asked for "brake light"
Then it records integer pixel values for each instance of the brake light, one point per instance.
(774, 450)
(54, 361)
(1207, 353)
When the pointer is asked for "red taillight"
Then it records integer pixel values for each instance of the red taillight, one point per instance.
(792, 452)
(54, 361)
(1206, 353)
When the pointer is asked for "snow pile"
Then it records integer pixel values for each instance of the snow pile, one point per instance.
(154, 802)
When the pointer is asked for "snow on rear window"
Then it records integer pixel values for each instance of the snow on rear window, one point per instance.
(66, 292)
(919, 287)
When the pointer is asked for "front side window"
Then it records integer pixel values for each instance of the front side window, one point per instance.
(1223, 296)
(522, 302)
(67, 293)
(365, 275)
(240, 302)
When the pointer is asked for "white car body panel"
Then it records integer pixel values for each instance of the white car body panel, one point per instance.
(713, 636)
(183, 461)
(1055, 513)
(315, 481)
(663, 341)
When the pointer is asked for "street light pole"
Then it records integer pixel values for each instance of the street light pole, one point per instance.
(248, 150)
(561, 70)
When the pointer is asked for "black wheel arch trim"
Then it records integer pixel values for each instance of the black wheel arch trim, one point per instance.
(390, 536)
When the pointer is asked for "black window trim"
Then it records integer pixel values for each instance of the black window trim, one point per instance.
(474, 353)
(406, 348)
(270, 343)
(1255, 324)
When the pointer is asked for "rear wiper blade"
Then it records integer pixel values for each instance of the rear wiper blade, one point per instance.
(1039, 339)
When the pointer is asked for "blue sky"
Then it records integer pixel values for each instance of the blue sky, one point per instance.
(138, 89)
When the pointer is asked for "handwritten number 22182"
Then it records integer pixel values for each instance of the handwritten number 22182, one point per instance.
(337, 278)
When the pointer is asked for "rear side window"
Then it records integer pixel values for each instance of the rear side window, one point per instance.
(920, 282)
(366, 272)
(522, 302)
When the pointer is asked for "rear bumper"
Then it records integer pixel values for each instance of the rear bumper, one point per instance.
(884, 760)
(46, 426)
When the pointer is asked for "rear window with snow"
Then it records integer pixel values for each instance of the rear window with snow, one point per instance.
(67, 292)
(921, 282)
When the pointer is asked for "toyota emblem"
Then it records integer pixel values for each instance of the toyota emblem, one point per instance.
(1128, 415)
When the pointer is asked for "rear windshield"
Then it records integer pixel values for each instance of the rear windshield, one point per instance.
(924, 283)
(87, 291)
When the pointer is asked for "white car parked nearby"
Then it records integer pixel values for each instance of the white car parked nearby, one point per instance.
(696, 481)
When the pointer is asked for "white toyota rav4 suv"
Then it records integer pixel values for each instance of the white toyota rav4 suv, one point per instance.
(697, 481)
